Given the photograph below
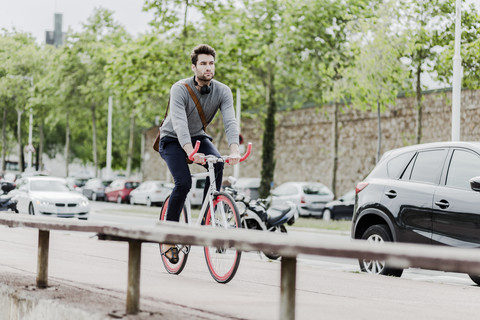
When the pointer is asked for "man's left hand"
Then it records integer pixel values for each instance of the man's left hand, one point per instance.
(234, 156)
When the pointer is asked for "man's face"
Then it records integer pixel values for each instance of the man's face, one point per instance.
(205, 68)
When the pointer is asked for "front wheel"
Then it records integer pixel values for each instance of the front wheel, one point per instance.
(222, 262)
(182, 250)
(377, 234)
(274, 255)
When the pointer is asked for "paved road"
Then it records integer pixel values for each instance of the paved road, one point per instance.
(112, 212)
(326, 288)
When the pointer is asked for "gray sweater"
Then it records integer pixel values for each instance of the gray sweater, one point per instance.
(183, 121)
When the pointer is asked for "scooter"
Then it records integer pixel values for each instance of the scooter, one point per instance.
(7, 202)
(255, 215)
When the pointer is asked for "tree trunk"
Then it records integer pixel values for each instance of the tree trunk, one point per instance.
(268, 148)
(94, 140)
(67, 143)
(419, 105)
(335, 149)
(379, 140)
(4, 138)
(130, 144)
(19, 140)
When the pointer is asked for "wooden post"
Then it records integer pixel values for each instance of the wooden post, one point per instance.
(133, 290)
(42, 261)
(287, 288)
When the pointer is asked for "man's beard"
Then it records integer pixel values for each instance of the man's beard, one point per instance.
(205, 79)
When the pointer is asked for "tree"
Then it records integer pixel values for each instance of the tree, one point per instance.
(18, 56)
(378, 74)
(426, 28)
(319, 37)
(470, 48)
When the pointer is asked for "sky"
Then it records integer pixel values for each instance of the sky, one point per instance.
(37, 16)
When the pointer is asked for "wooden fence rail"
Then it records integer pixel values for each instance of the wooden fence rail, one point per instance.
(288, 245)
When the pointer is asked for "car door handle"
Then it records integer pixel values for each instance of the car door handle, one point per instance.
(443, 204)
(391, 194)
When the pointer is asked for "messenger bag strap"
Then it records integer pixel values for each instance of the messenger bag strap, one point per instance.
(198, 105)
(166, 111)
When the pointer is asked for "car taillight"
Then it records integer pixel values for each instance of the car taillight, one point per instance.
(360, 187)
(302, 199)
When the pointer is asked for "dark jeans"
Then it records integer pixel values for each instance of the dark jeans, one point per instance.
(175, 157)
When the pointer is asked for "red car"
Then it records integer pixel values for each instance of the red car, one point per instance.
(119, 190)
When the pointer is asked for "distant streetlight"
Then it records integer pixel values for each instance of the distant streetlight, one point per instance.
(457, 74)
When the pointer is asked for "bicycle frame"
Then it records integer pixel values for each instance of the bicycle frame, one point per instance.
(208, 202)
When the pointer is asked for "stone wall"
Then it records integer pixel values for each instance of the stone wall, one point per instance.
(304, 139)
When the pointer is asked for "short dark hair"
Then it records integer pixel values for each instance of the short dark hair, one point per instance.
(201, 49)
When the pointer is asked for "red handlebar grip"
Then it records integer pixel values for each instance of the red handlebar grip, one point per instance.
(249, 149)
(245, 156)
(197, 146)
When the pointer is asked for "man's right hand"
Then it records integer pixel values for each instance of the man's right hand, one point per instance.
(198, 157)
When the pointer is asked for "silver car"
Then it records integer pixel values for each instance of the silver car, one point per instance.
(50, 196)
(310, 197)
(151, 192)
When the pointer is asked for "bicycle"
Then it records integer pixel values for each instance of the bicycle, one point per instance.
(222, 263)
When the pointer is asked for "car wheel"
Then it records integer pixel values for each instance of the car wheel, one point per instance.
(94, 196)
(119, 199)
(327, 215)
(475, 278)
(31, 210)
(378, 234)
(148, 203)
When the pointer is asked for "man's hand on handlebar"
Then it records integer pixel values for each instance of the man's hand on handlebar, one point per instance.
(199, 158)
(234, 156)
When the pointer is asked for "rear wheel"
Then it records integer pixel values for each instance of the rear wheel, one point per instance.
(274, 255)
(222, 262)
(327, 215)
(182, 250)
(378, 234)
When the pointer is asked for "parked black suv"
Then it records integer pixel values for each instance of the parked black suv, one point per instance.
(428, 193)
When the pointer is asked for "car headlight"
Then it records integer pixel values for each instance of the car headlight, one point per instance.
(43, 202)
(84, 203)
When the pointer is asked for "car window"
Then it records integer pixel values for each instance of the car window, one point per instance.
(316, 189)
(396, 166)
(463, 166)
(285, 189)
(131, 185)
(200, 183)
(428, 166)
(48, 186)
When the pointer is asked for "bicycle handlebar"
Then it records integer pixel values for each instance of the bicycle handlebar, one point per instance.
(243, 158)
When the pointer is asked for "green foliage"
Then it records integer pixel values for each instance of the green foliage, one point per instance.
(281, 54)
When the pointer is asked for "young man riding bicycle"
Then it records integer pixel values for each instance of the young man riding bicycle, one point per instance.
(185, 125)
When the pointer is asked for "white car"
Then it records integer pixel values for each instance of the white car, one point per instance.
(196, 193)
(310, 197)
(50, 196)
(151, 192)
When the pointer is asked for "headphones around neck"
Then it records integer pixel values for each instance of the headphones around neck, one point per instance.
(203, 89)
